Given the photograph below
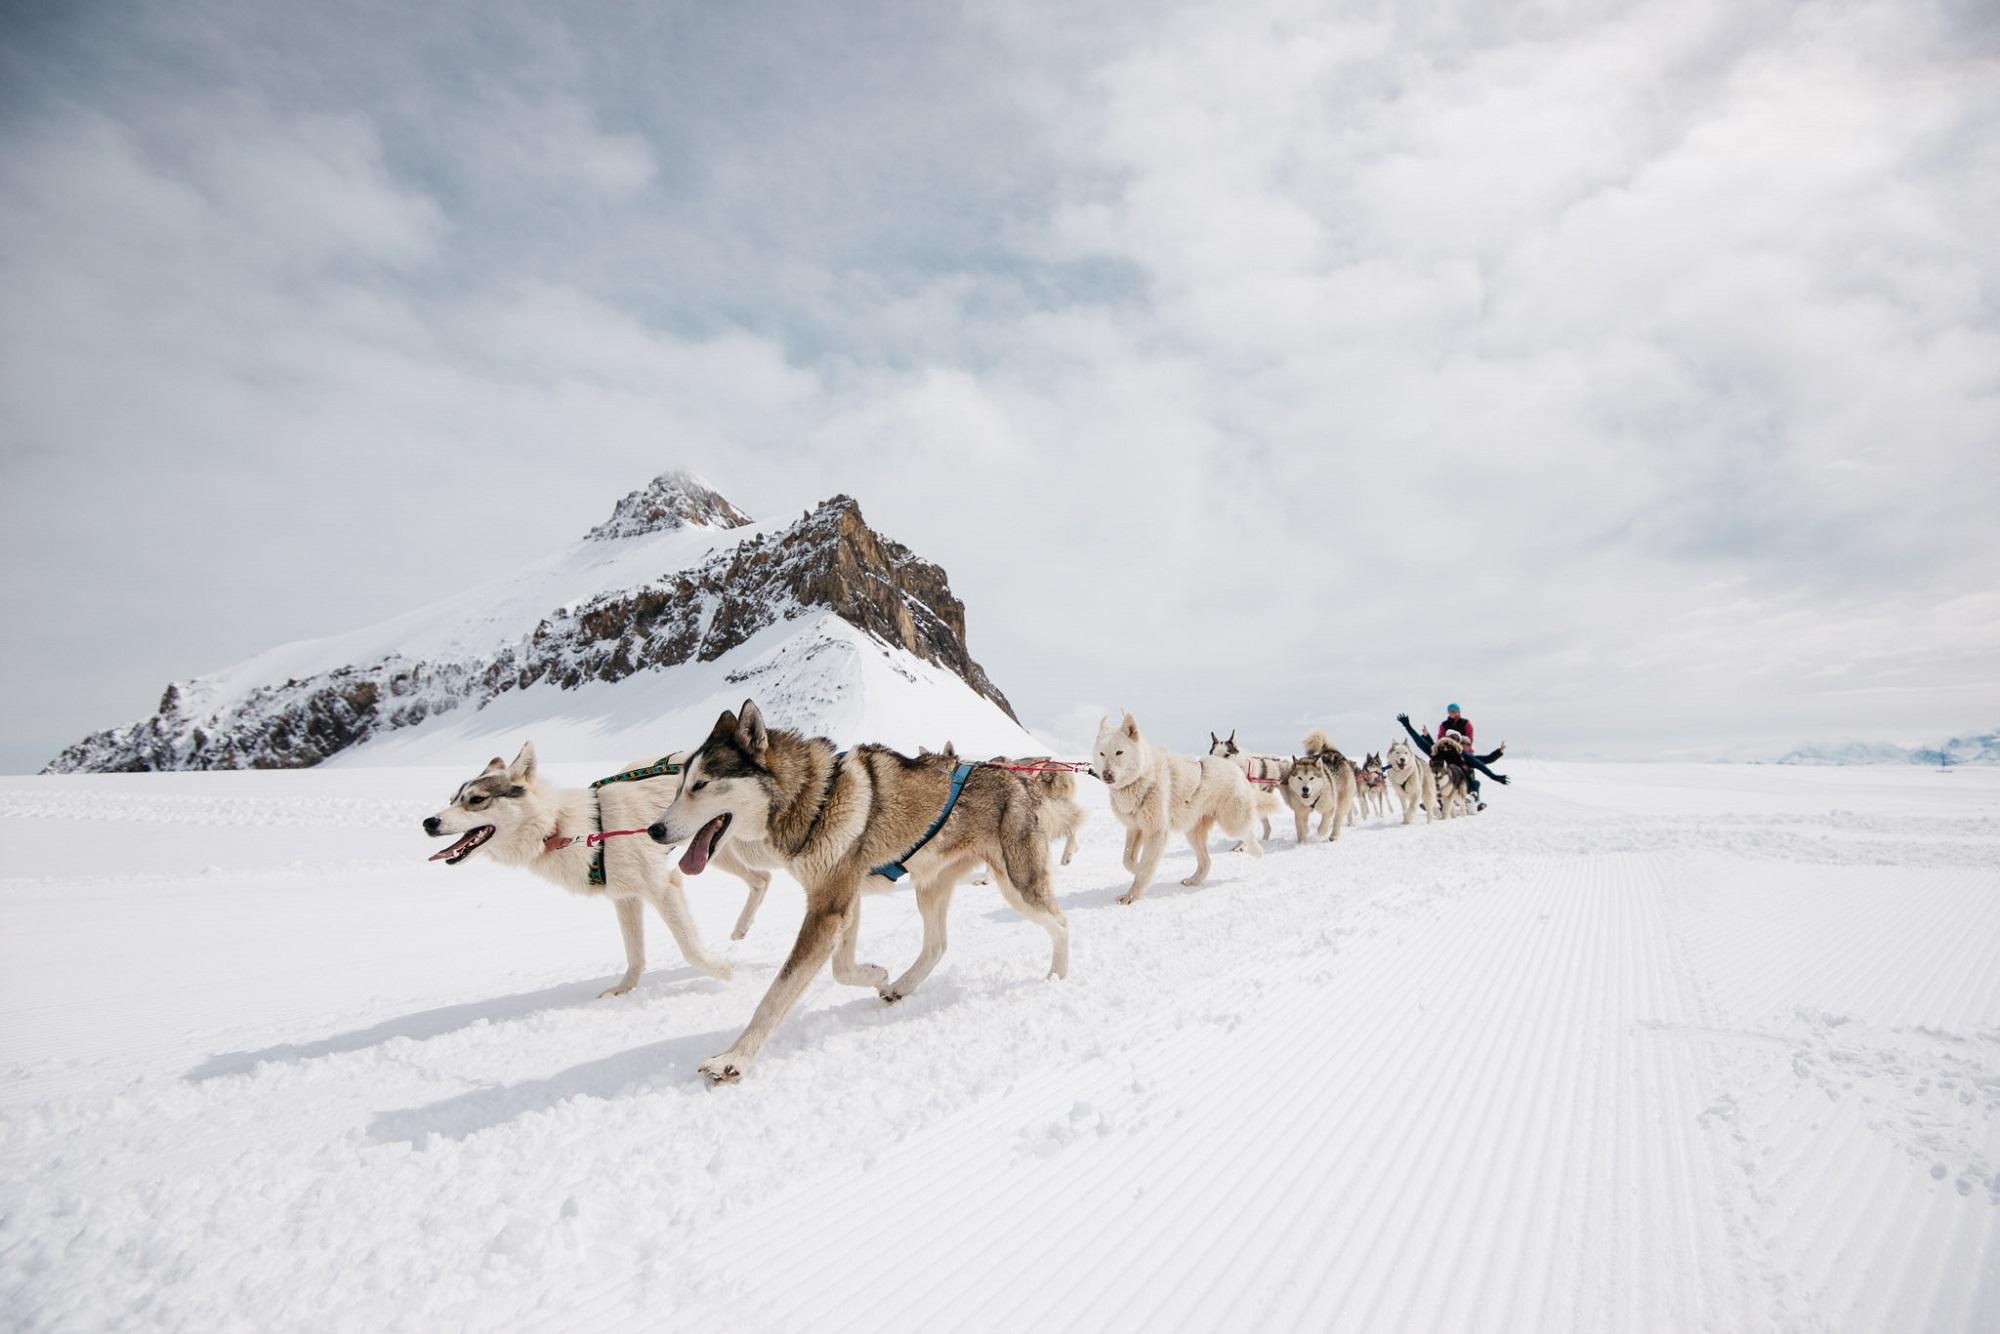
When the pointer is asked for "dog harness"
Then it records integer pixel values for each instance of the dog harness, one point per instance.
(895, 870)
(658, 768)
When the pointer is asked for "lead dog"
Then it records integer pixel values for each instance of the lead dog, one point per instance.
(1414, 783)
(510, 813)
(845, 821)
(1155, 793)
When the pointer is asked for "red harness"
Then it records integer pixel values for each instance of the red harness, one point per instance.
(556, 842)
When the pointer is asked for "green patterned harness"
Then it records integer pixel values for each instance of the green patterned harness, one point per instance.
(657, 769)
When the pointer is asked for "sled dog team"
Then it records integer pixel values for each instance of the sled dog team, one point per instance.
(752, 799)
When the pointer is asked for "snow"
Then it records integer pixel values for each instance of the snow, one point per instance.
(473, 623)
(850, 685)
(1672, 1046)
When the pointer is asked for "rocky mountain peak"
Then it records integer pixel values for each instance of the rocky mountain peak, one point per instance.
(829, 562)
(829, 559)
(675, 499)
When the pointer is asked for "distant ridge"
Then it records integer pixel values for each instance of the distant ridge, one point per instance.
(1973, 748)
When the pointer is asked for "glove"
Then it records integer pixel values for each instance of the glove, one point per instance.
(1402, 717)
(1502, 779)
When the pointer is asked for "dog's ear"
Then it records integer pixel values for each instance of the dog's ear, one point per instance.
(950, 752)
(1131, 727)
(1232, 736)
(522, 770)
(496, 765)
(724, 726)
(750, 730)
(1213, 740)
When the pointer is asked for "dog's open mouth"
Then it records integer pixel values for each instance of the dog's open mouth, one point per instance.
(702, 847)
(462, 849)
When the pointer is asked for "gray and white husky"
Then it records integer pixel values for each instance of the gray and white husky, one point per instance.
(1373, 796)
(510, 813)
(1061, 817)
(1451, 771)
(1323, 781)
(835, 819)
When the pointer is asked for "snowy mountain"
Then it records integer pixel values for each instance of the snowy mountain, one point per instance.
(677, 606)
(1975, 748)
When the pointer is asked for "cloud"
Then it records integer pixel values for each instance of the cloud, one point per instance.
(1630, 371)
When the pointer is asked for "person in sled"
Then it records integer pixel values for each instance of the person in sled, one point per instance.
(1456, 723)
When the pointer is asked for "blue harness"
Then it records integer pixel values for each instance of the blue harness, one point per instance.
(895, 870)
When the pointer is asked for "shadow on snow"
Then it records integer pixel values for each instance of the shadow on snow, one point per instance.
(424, 1024)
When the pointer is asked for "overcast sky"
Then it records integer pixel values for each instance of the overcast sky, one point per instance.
(1630, 373)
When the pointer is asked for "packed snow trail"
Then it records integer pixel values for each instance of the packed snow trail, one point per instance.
(1641, 1047)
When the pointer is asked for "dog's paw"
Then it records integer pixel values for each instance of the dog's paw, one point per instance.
(870, 975)
(721, 1070)
(739, 933)
(618, 990)
(721, 972)
(1129, 896)
(889, 995)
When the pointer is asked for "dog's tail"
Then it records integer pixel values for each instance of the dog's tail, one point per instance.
(1316, 741)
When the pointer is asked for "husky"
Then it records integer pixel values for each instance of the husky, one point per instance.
(1413, 781)
(1265, 773)
(1374, 791)
(1321, 780)
(1061, 817)
(512, 814)
(1155, 793)
(847, 821)
(1453, 775)
(1312, 786)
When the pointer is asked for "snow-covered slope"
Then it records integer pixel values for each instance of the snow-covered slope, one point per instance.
(676, 602)
(817, 673)
(1643, 1047)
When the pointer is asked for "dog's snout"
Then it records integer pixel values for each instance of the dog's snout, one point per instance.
(431, 823)
(657, 831)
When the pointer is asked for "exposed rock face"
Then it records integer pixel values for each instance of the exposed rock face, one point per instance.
(829, 560)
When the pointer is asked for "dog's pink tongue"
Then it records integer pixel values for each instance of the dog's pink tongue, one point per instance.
(695, 859)
(454, 848)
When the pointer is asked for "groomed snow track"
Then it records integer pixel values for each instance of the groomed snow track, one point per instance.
(1640, 1048)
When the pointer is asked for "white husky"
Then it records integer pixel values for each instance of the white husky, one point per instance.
(513, 815)
(1155, 793)
(1410, 774)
